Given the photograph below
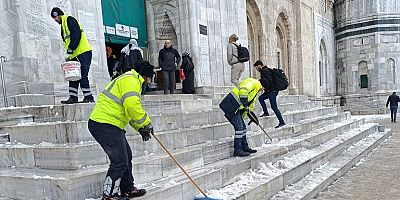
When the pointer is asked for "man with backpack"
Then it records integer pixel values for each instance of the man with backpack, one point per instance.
(272, 83)
(236, 55)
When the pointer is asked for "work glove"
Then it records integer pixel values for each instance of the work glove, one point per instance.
(146, 132)
(70, 51)
(253, 118)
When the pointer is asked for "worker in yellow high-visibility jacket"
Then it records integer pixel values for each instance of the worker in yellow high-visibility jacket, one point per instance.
(119, 105)
(78, 49)
(237, 105)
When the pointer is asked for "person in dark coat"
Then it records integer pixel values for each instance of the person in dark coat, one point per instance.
(188, 69)
(267, 81)
(393, 100)
(168, 59)
(130, 54)
(111, 60)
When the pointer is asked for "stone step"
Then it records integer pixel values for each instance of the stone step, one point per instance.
(87, 182)
(75, 132)
(10, 121)
(30, 100)
(225, 174)
(321, 178)
(4, 138)
(206, 139)
(272, 177)
(24, 87)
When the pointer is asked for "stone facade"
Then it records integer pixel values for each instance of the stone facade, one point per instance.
(181, 21)
(282, 33)
(367, 36)
(368, 45)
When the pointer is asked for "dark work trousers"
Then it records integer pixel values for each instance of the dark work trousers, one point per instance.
(85, 59)
(274, 105)
(168, 81)
(393, 113)
(240, 130)
(119, 178)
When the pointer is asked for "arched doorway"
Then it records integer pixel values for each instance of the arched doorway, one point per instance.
(323, 69)
(255, 33)
(282, 47)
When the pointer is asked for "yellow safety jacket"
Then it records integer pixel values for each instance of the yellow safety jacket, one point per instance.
(248, 89)
(119, 103)
(83, 45)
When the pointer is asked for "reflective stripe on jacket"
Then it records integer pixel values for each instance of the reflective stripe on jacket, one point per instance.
(120, 104)
(83, 45)
(246, 89)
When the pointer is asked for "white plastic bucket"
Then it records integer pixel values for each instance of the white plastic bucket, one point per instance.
(72, 70)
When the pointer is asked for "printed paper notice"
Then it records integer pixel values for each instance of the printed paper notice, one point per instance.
(110, 30)
(134, 33)
(122, 30)
(88, 23)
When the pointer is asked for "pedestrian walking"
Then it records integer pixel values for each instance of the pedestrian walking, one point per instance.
(270, 92)
(188, 69)
(393, 100)
(168, 59)
(237, 67)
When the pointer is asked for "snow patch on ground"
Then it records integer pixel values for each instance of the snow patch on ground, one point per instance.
(370, 118)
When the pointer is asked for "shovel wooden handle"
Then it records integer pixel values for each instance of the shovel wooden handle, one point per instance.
(179, 165)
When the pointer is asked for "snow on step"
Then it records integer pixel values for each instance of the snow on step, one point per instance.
(270, 178)
(320, 178)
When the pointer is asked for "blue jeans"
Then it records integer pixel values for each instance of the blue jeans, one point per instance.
(272, 100)
(393, 112)
(85, 59)
(240, 130)
(119, 178)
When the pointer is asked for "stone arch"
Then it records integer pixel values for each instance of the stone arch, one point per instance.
(255, 33)
(283, 47)
(323, 68)
(166, 20)
(390, 71)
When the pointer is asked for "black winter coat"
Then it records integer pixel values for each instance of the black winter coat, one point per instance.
(166, 59)
(267, 79)
(127, 63)
(393, 100)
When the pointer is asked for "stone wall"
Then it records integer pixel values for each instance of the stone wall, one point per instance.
(368, 39)
(31, 40)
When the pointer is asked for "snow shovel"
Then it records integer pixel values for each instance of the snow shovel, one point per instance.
(253, 118)
(183, 170)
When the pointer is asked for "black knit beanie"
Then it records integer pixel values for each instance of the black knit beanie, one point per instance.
(56, 12)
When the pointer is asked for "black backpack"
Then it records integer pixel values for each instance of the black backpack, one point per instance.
(281, 81)
(243, 53)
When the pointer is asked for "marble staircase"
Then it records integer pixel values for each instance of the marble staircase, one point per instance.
(48, 150)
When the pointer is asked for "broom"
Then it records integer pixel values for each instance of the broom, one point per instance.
(183, 170)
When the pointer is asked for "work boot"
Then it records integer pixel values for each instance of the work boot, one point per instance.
(264, 115)
(117, 197)
(134, 193)
(87, 100)
(240, 153)
(238, 148)
(280, 125)
(70, 101)
(245, 146)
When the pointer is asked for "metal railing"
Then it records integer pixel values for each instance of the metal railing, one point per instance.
(3, 59)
